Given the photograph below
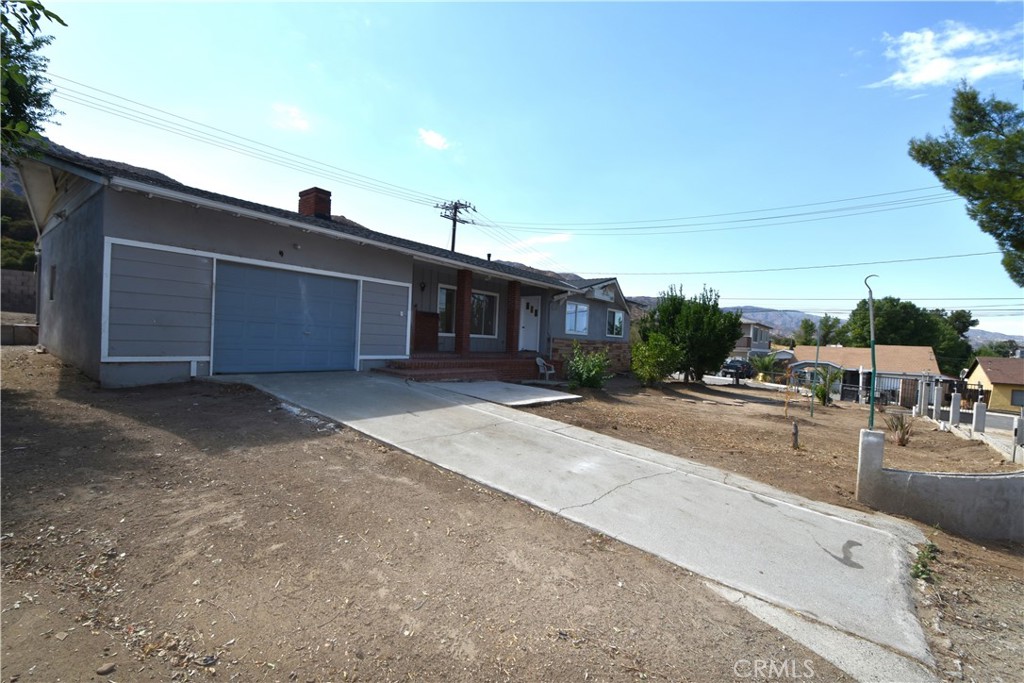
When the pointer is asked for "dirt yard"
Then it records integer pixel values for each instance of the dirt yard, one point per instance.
(204, 532)
(974, 607)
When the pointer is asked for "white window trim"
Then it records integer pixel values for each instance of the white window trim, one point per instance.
(623, 314)
(585, 332)
(497, 307)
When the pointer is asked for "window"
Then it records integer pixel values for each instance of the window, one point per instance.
(483, 315)
(53, 280)
(483, 312)
(446, 310)
(1016, 397)
(576, 318)
(616, 323)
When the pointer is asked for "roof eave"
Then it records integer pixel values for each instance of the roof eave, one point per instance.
(150, 190)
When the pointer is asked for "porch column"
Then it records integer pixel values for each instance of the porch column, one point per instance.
(463, 310)
(512, 313)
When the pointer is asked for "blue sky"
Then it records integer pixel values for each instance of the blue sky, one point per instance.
(774, 135)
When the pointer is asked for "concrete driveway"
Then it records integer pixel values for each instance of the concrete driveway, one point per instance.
(835, 579)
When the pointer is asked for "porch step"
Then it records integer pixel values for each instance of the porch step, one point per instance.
(440, 374)
(450, 367)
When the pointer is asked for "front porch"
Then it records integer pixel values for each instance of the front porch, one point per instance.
(439, 366)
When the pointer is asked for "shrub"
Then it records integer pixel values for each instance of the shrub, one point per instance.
(764, 365)
(587, 368)
(901, 427)
(654, 359)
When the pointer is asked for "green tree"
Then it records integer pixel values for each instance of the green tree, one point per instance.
(807, 333)
(896, 322)
(654, 359)
(17, 246)
(25, 99)
(701, 332)
(998, 349)
(829, 325)
(981, 160)
(830, 329)
(903, 323)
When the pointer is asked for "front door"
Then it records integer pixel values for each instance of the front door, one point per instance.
(529, 323)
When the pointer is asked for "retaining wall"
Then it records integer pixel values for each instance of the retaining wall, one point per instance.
(18, 291)
(989, 506)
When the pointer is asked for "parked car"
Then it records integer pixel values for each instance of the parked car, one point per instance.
(737, 368)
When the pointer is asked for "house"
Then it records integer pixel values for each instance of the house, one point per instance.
(1001, 380)
(144, 280)
(900, 369)
(756, 340)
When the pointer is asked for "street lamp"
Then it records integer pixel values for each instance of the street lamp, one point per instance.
(874, 371)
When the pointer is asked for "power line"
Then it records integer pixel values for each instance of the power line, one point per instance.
(753, 223)
(721, 215)
(791, 268)
(242, 145)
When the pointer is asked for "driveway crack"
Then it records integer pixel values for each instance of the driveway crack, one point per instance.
(611, 491)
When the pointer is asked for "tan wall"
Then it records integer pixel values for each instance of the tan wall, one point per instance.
(1001, 395)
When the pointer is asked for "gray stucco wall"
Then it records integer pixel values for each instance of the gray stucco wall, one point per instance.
(133, 216)
(984, 506)
(70, 297)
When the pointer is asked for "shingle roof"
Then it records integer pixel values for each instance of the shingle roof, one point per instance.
(889, 358)
(111, 169)
(1001, 370)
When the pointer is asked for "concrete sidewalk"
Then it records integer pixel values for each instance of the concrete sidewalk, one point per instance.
(846, 574)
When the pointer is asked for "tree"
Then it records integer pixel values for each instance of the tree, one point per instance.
(896, 322)
(807, 334)
(701, 332)
(830, 327)
(26, 101)
(982, 161)
(903, 323)
(998, 349)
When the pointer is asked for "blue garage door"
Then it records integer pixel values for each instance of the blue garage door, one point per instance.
(270, 320)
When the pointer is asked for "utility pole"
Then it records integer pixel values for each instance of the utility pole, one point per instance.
(451, 210)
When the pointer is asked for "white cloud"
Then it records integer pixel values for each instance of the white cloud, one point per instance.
(288, 117)
(431, 138)
(951, 53)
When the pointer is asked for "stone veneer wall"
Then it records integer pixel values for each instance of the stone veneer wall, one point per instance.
(618, 352)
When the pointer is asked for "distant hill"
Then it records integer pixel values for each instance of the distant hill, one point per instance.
(786, 323)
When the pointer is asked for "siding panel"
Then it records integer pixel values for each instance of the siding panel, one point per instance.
(160, 303)
(384, 320)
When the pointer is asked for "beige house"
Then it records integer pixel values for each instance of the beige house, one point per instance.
(1002, 380)
(900, 368)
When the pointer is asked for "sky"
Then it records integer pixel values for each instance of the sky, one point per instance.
(738, 146)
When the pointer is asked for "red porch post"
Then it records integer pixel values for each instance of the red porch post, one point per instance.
(512, 313)
(463, 310)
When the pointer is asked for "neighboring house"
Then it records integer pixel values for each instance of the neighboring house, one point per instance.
(756, 340)
(900, 369)
(1002, 380)
(144, 280)
(597, 317)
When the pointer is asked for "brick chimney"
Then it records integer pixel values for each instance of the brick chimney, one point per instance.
(315, 202)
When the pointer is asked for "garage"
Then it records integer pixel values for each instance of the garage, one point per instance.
(271, 320)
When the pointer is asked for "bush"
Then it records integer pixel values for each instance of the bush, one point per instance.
(901, 427)
(654, 359)
(587, 368)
